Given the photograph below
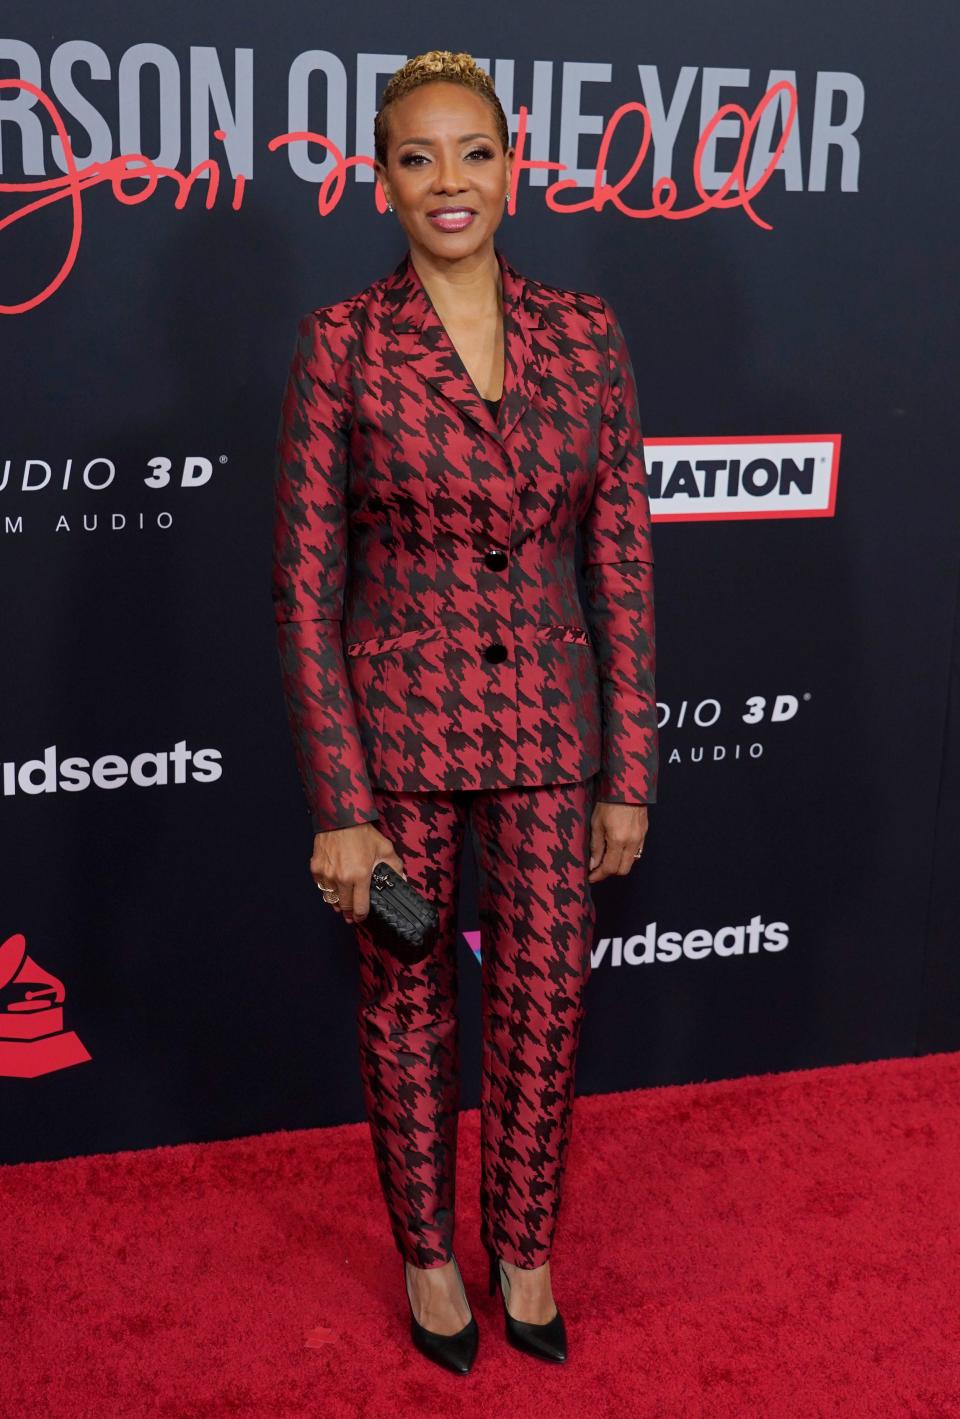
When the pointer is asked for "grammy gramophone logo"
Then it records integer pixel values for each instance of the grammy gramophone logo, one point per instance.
(32, 1038)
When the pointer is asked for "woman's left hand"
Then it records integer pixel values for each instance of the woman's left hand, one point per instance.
(617, 832)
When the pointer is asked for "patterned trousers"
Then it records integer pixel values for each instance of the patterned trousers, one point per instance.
(537, 917)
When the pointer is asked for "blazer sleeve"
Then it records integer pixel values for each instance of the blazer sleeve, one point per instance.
(308, 580)
(618, 574)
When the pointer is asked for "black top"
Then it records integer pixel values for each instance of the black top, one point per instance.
(493, 405)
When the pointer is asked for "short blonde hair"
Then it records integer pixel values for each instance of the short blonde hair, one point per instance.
(454, 68)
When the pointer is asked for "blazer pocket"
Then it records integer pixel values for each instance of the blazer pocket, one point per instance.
(380, 645)
(577, 634)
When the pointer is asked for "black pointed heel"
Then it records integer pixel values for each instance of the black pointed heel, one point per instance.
(454, 1352)
(547, 1341)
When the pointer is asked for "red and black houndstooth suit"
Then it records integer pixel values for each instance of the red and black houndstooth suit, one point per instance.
(440, 671)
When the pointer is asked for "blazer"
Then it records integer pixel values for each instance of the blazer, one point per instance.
(429, 626)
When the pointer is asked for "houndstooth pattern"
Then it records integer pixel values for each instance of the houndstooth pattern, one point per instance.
(537, 918)
(414, 529)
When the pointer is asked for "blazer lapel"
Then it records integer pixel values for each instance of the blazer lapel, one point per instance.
(428, 351)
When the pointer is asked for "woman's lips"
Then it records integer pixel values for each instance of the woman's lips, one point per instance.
(453, 221)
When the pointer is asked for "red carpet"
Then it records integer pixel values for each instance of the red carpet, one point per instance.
(782, 1245)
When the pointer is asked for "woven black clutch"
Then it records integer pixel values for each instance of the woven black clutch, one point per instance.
(402, 921)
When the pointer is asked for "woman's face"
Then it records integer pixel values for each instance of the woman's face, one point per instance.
(443, 152)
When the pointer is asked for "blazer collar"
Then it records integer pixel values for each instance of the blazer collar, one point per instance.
(422, 340)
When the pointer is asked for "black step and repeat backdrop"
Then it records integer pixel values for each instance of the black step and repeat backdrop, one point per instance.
(766, 198)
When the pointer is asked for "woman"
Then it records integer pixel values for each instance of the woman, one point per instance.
(445, 435)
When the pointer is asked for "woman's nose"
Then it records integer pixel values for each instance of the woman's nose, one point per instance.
(450, 177)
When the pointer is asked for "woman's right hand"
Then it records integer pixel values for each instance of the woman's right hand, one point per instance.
(343, 860)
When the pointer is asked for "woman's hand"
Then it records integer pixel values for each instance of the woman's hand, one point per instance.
(617, 831)
(343, 860)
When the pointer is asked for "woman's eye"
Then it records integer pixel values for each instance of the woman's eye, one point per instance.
(414, 159)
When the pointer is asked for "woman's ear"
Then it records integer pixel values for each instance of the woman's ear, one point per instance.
(380, 173)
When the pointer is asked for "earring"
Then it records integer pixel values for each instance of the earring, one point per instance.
(389, 206)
